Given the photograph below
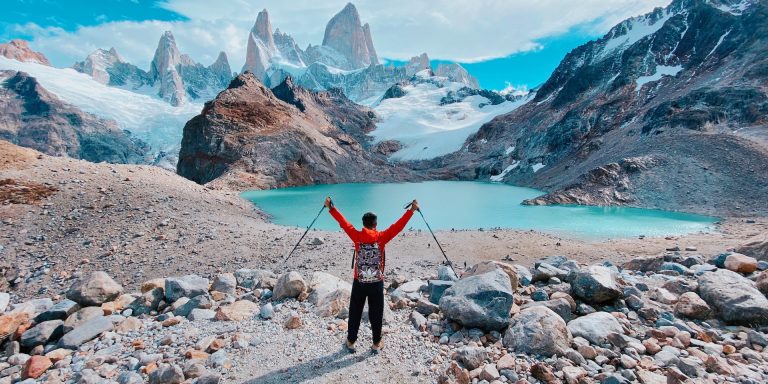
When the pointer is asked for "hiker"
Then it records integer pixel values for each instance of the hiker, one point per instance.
(368, 265)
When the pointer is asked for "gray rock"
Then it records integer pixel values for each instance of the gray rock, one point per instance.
(481, 301)
(757, 338)
(539, 295)
(225, 283)
(185, 286)
(59, 311)
(418, 320)
(679, 268)
(128, 377)
(267, 311)
(255, 278)
(86, 332)
(201, 314)
(437, 288)
(733, 297)
(595, 327)
(445, 273)
(538, 330)
(218, 358)
(546, 271)
(42, 333)
(595, 284)
(471, 357)
(167, 374)
(198, 302)
(81, 316)
(329, 294)
(32, 307)
(426, 307)
(560, 306)
(524, 274)
(411, 286)
(95, 289)
(289, 285)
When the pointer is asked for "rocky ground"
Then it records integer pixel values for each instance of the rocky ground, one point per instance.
(63, 219)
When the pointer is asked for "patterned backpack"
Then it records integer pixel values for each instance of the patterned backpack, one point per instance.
(369, 265)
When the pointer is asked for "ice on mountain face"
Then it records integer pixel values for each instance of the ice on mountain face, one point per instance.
(634, 30)
(661, 70)
(537, 166)
(509, 150)
(734, 8)
(504, 173)
(427, 129)
(149, 119)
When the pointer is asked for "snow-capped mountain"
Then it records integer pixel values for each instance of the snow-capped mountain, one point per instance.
(172, 76)
(657, 112)
(19, 50)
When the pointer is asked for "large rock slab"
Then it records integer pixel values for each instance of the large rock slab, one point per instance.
(734, 298)
(436, 289)
(487, 266)
(480, 301)
(86, 331)
(561, 306)
(595, 284)
(95, 289)
(238, 311)
(74, 320)
(595, 327)
(288, 285)
(538, 330)
(42, 333)
(225, 283)
(184, 286)
(59, 311)
(329, 294)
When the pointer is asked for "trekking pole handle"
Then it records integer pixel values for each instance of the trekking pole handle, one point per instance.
(407, 206)
(331, 202)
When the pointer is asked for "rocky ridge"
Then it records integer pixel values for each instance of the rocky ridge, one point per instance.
(321, 135)
(649, 115)
(33, 117)
(18, 49)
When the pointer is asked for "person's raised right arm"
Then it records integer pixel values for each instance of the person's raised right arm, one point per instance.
(348, 228)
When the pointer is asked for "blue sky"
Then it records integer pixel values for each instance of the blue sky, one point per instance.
(501, 42)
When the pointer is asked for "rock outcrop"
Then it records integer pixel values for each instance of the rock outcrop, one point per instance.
(261, 46)
(30, 116)
(345, 34)
(456, 73)
(254, 137)
(18, 49)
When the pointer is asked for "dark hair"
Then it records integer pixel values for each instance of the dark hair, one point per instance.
(369, 220)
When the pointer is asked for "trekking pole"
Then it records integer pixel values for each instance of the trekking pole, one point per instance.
(305, 232)
(450, 264)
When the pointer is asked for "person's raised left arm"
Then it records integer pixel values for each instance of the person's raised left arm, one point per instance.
(390, 233)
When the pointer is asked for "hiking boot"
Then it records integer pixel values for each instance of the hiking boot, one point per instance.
(350, 345)
(376, 347)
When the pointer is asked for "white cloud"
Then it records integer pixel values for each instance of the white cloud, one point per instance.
(445, 29)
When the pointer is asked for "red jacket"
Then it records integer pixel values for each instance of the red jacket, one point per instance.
(371, 235)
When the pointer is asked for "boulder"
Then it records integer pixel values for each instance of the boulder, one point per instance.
(756, 249)
(740, 263)
(471, 357)
(436, 289)
(11, 322)
(538, 330)
(733, 297)
(42, 333)
(184, 286)
(444, 272)
(267, 311)
(255, 278)
(480, 301)
(762, 282)
(86, 331)
(198, 302)
(32, 307)
(645, 264)
(238, 311)
(225, 283)
(95, 289)
(560, 306)
(426, 307)
(288, 285)
(595, 327)
(545, 271)
(595, 284)
(59, 311)
(524, 275)
(35, 367)
(81, 316)
(487, 266)
(329, 294)
(692, 306)
(167, 374)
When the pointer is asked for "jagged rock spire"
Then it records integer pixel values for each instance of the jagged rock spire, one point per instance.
(344, 33)
(261, 46)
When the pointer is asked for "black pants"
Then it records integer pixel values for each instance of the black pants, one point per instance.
(374, 292)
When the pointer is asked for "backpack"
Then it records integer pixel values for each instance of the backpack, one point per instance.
(369, 262)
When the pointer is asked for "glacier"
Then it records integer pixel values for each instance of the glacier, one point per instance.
(661, 70)
(147, 118)
(427, 129)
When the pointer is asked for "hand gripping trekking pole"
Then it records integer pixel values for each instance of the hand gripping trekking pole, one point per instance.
(305, 232)
(450, 264)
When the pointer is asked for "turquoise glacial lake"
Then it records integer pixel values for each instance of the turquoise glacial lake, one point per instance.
(469, 205)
